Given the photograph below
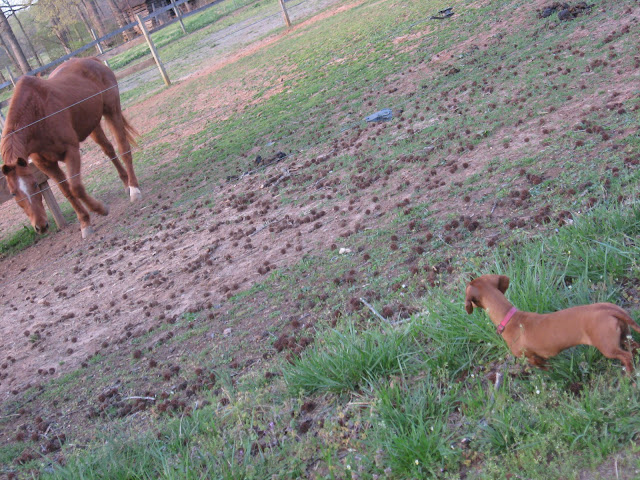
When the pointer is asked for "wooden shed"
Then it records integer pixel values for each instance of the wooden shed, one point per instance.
(131, 8)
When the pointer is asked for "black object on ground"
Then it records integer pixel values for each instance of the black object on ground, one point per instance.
(446, 13)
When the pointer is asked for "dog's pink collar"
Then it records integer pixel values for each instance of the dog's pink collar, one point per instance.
(506, 319)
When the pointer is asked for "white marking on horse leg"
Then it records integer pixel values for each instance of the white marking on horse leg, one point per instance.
(134, 193)
(86, 232)
(24, 188)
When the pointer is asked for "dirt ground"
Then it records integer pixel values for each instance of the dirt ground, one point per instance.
(64, 301)
(216, 47)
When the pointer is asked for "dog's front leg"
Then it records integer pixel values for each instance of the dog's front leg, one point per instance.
(537, 361)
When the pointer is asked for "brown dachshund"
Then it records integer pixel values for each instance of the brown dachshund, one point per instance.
(541, 336)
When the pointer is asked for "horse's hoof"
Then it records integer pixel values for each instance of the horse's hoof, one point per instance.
(86, 232)
(134, 194)
(105, 210)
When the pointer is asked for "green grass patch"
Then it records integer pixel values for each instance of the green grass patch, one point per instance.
(18, 241)
(173, 33)
(352, 360)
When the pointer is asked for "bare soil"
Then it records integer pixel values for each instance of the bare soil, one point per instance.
(63, 298)
(113, 303)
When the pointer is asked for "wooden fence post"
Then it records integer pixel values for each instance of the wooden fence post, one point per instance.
(13, 80)
(154, 52)
(52, 203)
(98, 46)
(179, 15)
(285, 14)
(95, 37)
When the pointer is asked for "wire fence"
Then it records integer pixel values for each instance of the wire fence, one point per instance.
(111, 35)
(206, 47)
(234, 32)
(353, 123)
(61, 110)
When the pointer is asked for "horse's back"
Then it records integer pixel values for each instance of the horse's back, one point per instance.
(90, 68)
(72, 93)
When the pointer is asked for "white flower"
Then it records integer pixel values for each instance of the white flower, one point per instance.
(538, 391)
(417, 462)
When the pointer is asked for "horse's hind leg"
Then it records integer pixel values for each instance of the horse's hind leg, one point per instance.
(116, 123)
(103, 142)
(54, 172)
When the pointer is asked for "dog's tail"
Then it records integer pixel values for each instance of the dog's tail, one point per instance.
(620, 314)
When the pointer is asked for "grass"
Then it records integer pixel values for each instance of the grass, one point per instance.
(429, 408)
(412, 419)
(173, 33)
(413, 396)
(351, 361)
(17, 242)
(413, 429)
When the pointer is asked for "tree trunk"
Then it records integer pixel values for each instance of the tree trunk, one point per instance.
(61, 34)
(35, 54)
(120, 18)
(8, 51)
(85, 21)
(95, 17)
(89, 28)
(13, 43)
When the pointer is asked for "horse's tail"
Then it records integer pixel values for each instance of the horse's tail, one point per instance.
(130, 132)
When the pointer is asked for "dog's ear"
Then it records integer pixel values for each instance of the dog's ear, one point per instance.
(468, 305)
(468, 301)
(503, 283)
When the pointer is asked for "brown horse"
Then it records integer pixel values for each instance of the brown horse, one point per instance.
(48, 119)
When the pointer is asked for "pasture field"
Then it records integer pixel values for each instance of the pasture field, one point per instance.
(288, 299)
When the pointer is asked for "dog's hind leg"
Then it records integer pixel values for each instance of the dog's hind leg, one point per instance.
(617, 353)
(611, 346)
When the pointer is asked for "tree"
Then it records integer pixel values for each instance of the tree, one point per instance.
(13, 44)
(7, 50)
(60, 16)
(120, 17)
(14, 12)
(95, 17)
(61, 32)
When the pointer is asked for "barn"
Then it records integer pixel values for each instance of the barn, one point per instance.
(130, 8)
